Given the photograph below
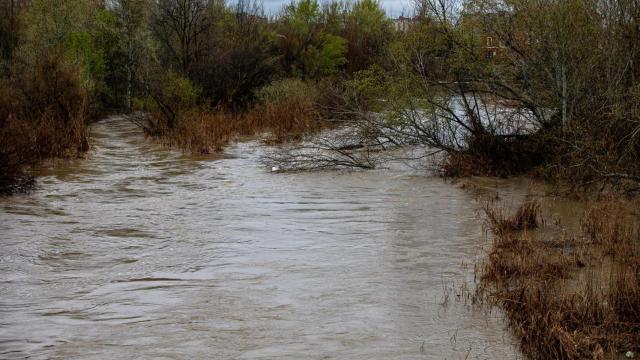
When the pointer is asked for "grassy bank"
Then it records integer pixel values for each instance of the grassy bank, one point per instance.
(567, 296)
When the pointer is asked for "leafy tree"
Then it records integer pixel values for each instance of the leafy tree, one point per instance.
(308, 49)
(125, 35)
(240, 58)
(368, 33)
(61, 31)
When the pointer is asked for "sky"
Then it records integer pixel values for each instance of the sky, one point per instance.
(393, 8)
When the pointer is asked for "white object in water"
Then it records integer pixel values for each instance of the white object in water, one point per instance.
(629, 354)
(275, 168)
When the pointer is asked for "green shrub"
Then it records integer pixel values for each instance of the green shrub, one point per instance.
(288, 91)
(173, 94)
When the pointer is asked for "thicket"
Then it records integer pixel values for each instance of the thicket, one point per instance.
(48, 76)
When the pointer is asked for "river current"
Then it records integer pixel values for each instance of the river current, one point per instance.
(139, 251)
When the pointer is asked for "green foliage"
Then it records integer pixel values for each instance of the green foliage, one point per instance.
(132, 51)
(51, 21)
(369, 18)
(141, 104)
(70, 25)
(309, 51)
(368, 32)
(172, 95)
(332, 54)
(287, 90)
(81, 46)
(370, 87)
(180, 90)
(303, 17)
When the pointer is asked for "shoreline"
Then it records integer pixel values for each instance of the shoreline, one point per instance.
(569, 285)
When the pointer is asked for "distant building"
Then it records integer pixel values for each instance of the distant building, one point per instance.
(483, 26)
(491, 46)
(402, 23)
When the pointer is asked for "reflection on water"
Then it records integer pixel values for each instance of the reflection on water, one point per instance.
(143, 252)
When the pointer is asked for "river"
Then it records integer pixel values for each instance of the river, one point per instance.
(143, 252)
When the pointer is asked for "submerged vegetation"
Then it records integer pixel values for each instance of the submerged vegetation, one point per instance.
(568, 296)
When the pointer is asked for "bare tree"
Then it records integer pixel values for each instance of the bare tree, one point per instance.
(181, 26)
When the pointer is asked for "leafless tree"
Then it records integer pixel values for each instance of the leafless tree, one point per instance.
(181, 26)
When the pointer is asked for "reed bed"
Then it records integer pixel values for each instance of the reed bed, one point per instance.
(567, 297)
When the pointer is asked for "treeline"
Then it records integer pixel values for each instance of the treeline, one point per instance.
(194, 68)
(499, 87)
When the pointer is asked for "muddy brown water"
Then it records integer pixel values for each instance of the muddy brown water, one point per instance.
(142, 252)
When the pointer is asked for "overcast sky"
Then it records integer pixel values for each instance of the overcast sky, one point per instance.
(394, 8)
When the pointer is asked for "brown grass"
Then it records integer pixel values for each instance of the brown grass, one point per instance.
(526, 217)
(285, 120)
(203, 130)
(561, 298)
(611, 225)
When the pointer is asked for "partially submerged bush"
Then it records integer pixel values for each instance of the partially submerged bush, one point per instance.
(43, 115)
(287, 109)
(173, 95)
(202, 131)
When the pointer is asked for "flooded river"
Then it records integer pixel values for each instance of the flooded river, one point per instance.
(142, 252)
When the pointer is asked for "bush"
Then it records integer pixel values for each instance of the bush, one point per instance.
(43, 114)
(172, 95)
(202, 131)
(288, 91)
(288, 109)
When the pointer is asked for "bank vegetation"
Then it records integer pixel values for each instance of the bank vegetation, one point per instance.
(567, 296)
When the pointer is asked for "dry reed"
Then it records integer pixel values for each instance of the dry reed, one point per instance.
(202, 130)
(533, 279)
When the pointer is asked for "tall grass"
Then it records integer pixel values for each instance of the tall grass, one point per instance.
(567, 297)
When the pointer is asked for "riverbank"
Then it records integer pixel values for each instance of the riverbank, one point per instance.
(569, 286)
(44, 112)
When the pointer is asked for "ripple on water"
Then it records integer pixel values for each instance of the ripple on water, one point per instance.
(142, 251)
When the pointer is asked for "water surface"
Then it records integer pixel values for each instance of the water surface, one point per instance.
(142, 252)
